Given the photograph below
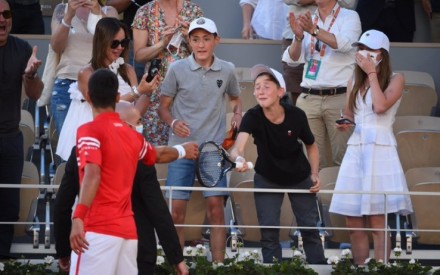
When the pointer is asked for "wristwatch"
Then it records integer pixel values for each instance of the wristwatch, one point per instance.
(315, 31)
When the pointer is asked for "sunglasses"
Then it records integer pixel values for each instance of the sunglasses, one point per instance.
(124, 43)
(318, 46)
(6, 14)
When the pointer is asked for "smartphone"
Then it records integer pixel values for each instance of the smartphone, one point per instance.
(154, 69)
(345, 121)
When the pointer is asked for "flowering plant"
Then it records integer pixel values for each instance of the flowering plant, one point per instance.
(248, 262)
(19, 267)
(344, 266)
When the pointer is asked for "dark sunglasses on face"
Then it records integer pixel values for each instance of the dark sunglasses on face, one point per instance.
(6, 14)
(124, 43)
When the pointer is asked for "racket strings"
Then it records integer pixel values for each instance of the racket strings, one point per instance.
(211, 165)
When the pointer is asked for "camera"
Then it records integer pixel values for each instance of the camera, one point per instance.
(154, 69)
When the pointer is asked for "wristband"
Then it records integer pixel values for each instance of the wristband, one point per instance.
(80, 211)
(180, 150)
(135, 91)
(240, 159)
(65, 24)
(299, 39)
(172, 123)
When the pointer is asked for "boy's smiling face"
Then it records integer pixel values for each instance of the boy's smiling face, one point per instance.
(203, 44)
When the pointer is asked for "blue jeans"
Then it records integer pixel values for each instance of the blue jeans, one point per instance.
(303, 205)
(11, 168)
(60, 101)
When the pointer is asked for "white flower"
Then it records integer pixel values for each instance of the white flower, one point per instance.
(200, 246)
(49, 259)
(333, 260)
(412, 261)
(188, 250)
(367, 260)
(200, 250)
(159, 247)
(2, 266)
(398, 250)
(215, 265)
(160, 260)
(394, 264)
(346, 252)
(297, 253)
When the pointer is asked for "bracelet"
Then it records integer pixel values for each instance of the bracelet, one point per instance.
(240, 159)
(299, 39)
(80, 211)
(180, 150)
(135, 91)
(172, 123)
(30, 77)
(65, 24)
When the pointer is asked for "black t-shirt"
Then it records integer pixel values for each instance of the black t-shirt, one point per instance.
(13, 60)
(280, 154)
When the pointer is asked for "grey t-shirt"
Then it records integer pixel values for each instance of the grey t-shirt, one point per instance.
(200, 97)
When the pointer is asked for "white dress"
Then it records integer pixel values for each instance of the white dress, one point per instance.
(79, 112)
(371, 163)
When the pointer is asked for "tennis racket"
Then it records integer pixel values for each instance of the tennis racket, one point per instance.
(213, 164)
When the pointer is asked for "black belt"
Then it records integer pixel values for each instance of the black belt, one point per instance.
(324, 92)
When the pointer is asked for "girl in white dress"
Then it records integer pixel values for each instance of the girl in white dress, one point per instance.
(371, 162)
(110, 49)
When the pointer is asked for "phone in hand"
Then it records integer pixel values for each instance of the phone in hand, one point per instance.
(154, 69)
(345, 121)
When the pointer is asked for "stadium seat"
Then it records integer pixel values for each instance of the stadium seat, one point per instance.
(59, 173)
(418, 175)
(403, 123)
(328, 178)
(418, 148)
(424, 216)
(246, 214)
(28, 199)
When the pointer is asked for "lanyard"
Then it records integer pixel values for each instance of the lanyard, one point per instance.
(315, 22)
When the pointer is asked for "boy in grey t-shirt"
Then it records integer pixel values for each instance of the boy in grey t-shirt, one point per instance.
(193, 102)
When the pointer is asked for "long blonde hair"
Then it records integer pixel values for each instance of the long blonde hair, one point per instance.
(383, 76)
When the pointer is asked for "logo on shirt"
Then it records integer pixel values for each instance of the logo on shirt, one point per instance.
(219, 83)
(289, 133)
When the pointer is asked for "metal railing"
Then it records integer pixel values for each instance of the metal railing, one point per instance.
(171, 189)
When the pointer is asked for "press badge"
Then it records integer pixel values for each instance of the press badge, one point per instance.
(313, 69)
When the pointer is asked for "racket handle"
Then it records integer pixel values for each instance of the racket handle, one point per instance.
(239, 165)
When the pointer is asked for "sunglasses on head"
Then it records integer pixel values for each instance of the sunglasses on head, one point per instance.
(6, 14)
(124, 43)
(318, 46)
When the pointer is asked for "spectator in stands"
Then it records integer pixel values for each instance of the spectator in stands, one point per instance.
(151, 212)
(293, 72)
(371, 162)
(154, 25)
(110, 50)
(324, 38)
(127, 10)
(263, 19)
(193, 103)
(281, 163)
(28, 18)
(19, 66)
(73, 25)
(396, 18)
(103, 236)
(432, 11)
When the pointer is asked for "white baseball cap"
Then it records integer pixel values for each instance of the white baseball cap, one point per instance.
(203, 23)
(260, 68)
(374, 40)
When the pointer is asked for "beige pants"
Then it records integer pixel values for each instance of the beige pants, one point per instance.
(322, 113)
